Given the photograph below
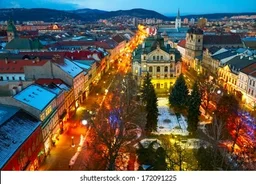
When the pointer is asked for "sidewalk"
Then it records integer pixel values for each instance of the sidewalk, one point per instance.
(61, 154)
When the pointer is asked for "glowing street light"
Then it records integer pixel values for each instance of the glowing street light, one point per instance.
(84, 122)
(219, 92)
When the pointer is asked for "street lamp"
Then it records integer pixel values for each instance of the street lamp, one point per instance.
(84, 122)
(219, 92)
(72, 142)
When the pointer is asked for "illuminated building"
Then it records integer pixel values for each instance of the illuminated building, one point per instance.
(229, 73)
(160, 60)
(21, 143)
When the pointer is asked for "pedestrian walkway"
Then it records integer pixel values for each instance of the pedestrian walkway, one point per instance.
(60, 155)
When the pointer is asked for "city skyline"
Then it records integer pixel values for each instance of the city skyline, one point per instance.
(186, 7)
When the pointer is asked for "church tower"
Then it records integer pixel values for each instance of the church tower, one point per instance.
(194, 44)
(178, 20)
(11, 30)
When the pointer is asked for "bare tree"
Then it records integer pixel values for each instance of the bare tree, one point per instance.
(179, 156)
(113, 124)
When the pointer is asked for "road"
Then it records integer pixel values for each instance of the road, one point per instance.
(83, 155)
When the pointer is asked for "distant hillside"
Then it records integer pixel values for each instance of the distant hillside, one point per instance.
(87, 14)
(51, 15)
(140, 13)
(42, 14)
(213, 16)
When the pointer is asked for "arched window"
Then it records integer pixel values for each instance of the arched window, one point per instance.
(158, 69)
(166, 69)
(154, 57)
(171, 58)
(150, 69)
(162, 57)
(157, 58)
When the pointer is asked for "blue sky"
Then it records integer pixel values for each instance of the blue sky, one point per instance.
(167, 7)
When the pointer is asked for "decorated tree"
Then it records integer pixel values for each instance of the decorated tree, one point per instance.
(116, 125)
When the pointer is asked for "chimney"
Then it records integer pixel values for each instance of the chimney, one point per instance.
(20, 87)
(37, 59)
(14, 90)
(6, 60)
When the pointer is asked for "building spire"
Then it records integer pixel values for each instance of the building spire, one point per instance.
(178, 16)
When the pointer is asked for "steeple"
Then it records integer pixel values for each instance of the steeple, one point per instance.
(178, 20)
(178, 16)
(11, 30)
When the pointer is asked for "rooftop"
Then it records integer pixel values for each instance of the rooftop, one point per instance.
(240, 62)
(85, 64)
(17, 66)
(35, 96)
(70, 68)
(14, 131)
(6, 112)
(195, 30)
(249, 69)
(182, 43)
(54, 85)
(24, 44)
(222, 39)
(224, 55)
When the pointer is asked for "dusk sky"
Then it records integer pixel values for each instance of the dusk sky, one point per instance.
(166, 7)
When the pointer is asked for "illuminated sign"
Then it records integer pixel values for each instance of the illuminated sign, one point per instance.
(151, 31)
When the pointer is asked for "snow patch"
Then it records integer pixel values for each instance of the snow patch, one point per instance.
(168, 122)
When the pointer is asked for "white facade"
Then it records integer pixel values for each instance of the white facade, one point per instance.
(251, 91)
(178, 23)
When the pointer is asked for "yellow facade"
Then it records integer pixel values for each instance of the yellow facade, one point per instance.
(163, 83)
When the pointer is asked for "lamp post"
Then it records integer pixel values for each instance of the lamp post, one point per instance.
(72, 141)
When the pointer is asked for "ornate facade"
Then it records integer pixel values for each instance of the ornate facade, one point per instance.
(160, 60)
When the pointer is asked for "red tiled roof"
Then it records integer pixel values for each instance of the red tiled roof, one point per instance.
(103, 45)
(250, 69)
(17, 66)
(182, 43)
(49, 81)
(118, 38)
(85, 54)
(61, 54)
